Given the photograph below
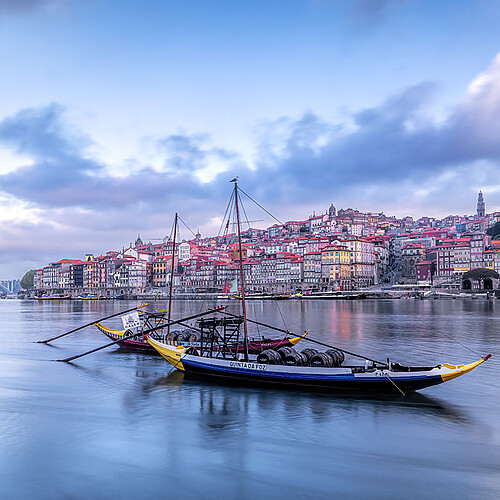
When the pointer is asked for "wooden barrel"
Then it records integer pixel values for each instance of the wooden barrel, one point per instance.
(181, 337)
(284, 351)
(170, 337)
(321, 359)
(309, 353)
(337, 356)
(269, 357)
(192, 336)
(296, 359)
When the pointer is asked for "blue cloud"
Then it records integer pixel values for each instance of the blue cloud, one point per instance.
(61, 173)
(382, 147)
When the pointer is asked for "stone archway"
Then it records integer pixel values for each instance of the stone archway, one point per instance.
(488, 284)
(467, 284)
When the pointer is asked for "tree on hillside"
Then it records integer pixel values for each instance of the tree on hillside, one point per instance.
(27, 280)
(480, 274)
(494, 231)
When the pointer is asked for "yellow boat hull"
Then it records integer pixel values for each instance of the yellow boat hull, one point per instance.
(173, 354)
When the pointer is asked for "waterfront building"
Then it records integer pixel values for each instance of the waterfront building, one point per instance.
(336, 267)
(64, 279)
(423, 272)
(252, 274)
(478, 244)
(489, 259)
(50, 277)
(268, 263)
(495, 250)
(312, 269)
(462, 257)
(362, 260)
(38, 279)
(204, 274)
(137, 274)
(51, 274)
(289, 268)
(445, 259)
(224, 274)
(160, 267)
(412, 253)
(90, 273)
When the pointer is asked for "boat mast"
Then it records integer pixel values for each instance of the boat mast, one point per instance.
(245, 338)
(172, 275)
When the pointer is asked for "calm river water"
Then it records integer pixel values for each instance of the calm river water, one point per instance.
(120, 425)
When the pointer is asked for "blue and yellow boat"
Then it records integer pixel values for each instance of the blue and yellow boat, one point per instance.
(352, 379)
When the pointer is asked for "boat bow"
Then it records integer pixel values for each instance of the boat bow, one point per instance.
(454, 371)
(173, 354)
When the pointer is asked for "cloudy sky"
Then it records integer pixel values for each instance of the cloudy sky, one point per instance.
(114, 114)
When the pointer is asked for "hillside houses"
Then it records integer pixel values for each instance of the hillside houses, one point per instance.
(344, 250)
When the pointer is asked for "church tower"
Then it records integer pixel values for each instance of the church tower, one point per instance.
(332, 211)
(481, 209)
(138, 242)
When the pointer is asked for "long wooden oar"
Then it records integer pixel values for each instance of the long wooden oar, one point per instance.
(90, 324)
(67, 360)
(307, 338)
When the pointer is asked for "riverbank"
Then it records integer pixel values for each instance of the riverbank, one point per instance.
(354, 295)
(378, 294)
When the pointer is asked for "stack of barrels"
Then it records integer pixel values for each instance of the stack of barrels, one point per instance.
(307, 357)
(182, 336)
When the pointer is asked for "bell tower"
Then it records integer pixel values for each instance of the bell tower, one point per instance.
(481, 209)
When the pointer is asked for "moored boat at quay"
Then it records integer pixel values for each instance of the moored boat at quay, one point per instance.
(53, 297)
(335, 296)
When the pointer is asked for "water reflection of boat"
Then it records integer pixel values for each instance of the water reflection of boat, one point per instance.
(214, 398)
(281, 368)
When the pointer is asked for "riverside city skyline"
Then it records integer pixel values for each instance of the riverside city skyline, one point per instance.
(335, 250)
